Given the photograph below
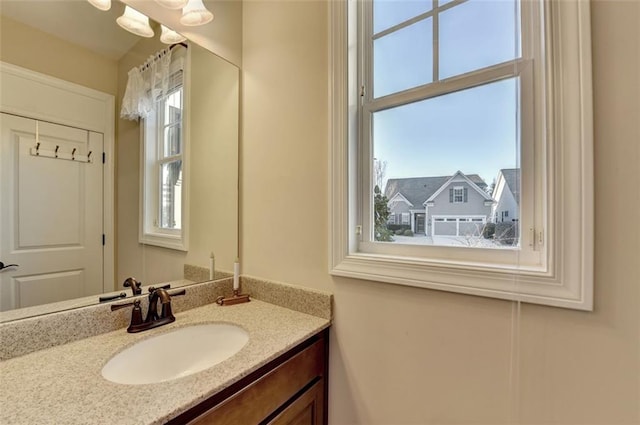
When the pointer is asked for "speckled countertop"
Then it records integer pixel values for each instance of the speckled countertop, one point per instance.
(63, 384)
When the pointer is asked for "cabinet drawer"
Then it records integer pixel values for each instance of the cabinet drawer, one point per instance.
(307, 409)
(259, 399)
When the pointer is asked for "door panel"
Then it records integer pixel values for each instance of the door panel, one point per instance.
(49, 287)
(51, 221)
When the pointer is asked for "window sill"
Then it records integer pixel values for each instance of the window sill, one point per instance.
(165, 241)
(555, 289)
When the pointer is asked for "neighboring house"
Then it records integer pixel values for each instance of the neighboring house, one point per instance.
(455, 205)
(507, 196)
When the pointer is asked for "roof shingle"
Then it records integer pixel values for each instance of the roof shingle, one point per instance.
(418, 189)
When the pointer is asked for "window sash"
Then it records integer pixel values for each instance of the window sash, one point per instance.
(530, 254)
(162, 157)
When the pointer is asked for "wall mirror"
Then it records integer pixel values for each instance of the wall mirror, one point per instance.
(74, 42)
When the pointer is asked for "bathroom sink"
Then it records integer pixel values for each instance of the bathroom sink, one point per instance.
(175, 354)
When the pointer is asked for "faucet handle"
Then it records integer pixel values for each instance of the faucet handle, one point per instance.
(115, 307)
(153, 288)
(177, 292)
(134, 285)
(136, 314)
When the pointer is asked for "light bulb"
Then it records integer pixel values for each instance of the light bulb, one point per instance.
(101, 4)
(169, 36)
(135, 22)
(194, 13)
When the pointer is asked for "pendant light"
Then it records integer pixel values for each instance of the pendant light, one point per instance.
(135, 22)
(101, 4)
(169, 36)
(194, 13)
(172, 4)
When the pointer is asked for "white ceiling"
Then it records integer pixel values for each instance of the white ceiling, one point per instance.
(75, 21)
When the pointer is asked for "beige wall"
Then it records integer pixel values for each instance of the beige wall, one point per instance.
(403, 355)
(49, 55)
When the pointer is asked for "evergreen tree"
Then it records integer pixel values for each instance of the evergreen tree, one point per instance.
(381, 216)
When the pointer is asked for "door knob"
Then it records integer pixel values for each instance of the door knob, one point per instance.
(3, 266)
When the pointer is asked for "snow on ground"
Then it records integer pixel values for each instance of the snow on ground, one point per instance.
(460, 241)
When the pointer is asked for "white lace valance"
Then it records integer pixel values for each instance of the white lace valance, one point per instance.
(148, 83)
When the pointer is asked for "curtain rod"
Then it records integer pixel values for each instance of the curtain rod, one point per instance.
(185, 45)
(157, 56)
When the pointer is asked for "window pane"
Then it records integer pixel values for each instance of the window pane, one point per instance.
(403, 59)
(173, 107)
(423, 145)
(171, 196)
(387, 13)
(172, 140)
(477, 34)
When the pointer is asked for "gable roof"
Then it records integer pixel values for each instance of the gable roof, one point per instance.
(399, 197)
(418, 189)
(512, 179)
(474, 186)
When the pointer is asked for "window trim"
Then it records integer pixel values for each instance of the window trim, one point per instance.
(567, 280)
(454, 194)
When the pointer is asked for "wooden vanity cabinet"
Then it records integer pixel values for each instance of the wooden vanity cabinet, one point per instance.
(290, 390)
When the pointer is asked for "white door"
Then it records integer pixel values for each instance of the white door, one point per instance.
(51, 213)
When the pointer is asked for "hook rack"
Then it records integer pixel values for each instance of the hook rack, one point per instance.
(58, 154)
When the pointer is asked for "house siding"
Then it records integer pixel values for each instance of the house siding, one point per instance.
(399, 207)
(505, 202)
(441, 206)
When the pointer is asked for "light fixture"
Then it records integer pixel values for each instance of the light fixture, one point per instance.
(172, 4)
(194, 13)
(101, 4)
(169, 36)
(135, 22)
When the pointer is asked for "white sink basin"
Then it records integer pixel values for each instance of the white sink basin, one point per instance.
(175, 354)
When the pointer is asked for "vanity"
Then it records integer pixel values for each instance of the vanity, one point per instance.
(278, 377)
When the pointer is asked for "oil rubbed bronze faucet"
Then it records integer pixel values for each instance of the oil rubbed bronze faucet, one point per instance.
(153, 319)
(135, 286)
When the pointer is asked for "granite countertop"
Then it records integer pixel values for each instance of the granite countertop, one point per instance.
(63, 384)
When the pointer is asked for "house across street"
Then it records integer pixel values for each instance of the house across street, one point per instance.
(451, 210)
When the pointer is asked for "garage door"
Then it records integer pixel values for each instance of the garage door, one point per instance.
(457, 226)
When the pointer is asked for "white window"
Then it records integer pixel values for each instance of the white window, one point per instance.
(457, 194)
(406, 218)
(163, 219)
(442, 83)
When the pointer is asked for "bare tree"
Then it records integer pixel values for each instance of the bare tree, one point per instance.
(379, 172)
(489, 189)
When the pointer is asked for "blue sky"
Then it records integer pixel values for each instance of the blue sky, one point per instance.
(474, 130)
